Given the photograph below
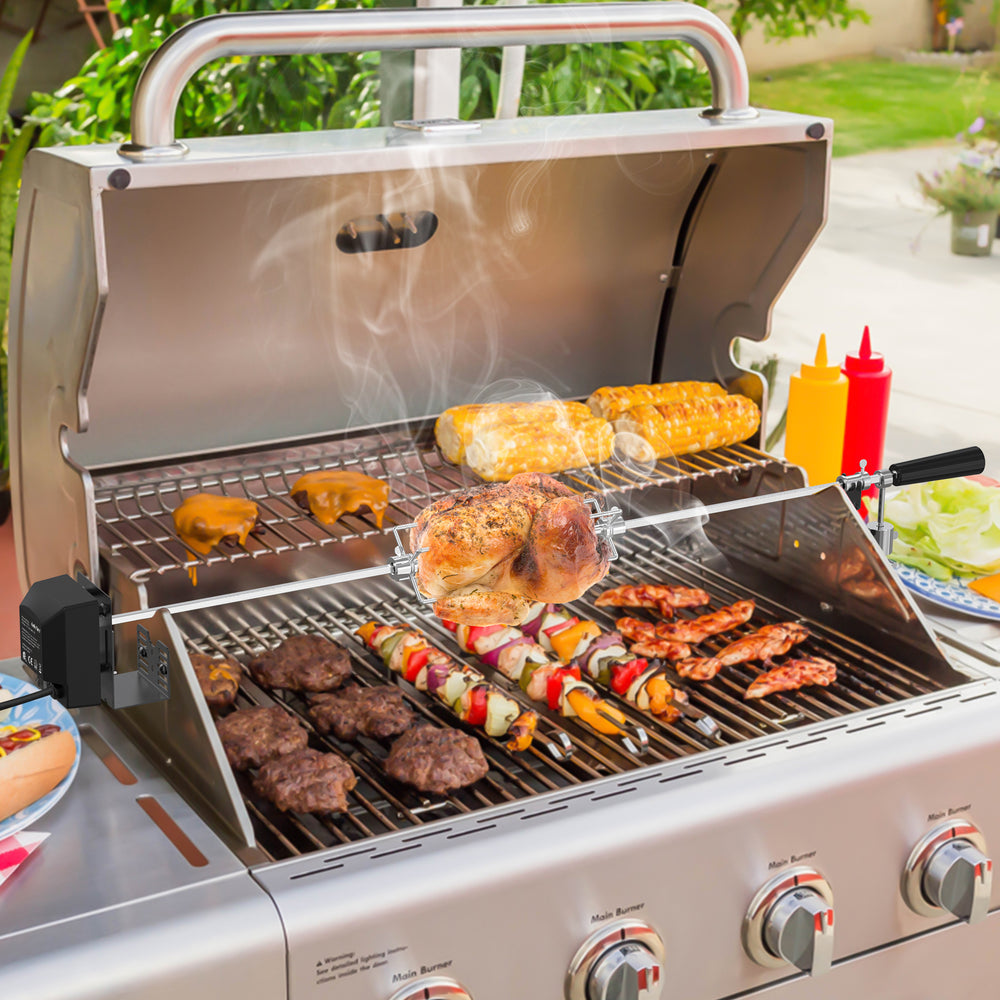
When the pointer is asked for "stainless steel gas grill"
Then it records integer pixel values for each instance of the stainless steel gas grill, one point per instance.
(224, 315)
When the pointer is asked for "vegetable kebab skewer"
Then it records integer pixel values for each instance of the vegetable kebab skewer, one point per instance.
(603, 657)
(519, 658)
(407, 652)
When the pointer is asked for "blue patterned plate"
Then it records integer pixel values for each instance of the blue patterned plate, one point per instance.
(43, 712)
(952, 594)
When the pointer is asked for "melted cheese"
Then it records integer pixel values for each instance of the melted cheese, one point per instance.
(332, 493)
(204, 519)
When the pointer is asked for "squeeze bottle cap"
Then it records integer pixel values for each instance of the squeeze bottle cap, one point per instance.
(866, 360)
(819, 369)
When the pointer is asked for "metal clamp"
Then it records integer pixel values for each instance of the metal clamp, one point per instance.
(404, 564)
(171, 67)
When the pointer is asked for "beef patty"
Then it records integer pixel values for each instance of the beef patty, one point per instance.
(306, 781)
(378, 712)
(219, 679)
(436, 760)
(253, 736)
(302, 663)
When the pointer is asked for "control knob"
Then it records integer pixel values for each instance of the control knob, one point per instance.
(949, 870)
(790, 922)
(621, 961)
(432, 988)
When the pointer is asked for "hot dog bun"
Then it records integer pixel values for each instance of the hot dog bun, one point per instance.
(30, 772)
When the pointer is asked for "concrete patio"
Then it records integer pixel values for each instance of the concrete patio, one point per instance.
(884, 259)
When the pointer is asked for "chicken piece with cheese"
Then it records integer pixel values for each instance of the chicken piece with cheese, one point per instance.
(493, 551)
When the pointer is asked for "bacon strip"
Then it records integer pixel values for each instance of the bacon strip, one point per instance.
(766, 643)
(792, 675)
(660, 597)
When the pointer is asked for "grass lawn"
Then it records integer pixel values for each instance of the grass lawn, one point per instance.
(878, 104)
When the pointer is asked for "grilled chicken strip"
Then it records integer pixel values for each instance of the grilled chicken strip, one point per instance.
(646, 642)
(792, 675)
(493, 550)
(766, 643)
(659, 597)
(696, 630)
(698, 668)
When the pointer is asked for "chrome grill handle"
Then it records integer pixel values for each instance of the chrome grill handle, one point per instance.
(171, 67)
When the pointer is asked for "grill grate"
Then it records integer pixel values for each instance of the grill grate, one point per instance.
(866, 679)
(133, 509)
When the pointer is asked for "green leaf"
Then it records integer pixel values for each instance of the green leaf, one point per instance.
(10, 182)
(9, 79)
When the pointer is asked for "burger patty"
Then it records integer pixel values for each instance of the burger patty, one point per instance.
(219, 679)
(306, 781)
(302, 663)
(253, 736)
(436, 760)
(378, 712)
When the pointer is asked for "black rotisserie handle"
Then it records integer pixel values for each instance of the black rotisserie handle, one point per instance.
(948, 465)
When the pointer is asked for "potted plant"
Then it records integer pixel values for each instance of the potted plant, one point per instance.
(982, 140)
(972, 196)
(14, 145)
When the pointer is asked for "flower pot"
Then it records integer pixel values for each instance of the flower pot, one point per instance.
(972, 233)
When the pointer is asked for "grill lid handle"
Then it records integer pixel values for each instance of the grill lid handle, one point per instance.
(154, 105)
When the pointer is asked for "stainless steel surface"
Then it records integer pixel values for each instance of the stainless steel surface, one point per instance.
(117, 902)
(774, 905)
(545, 874)
(799, 929)
(602, 942)
(511, 81)
(435, 988)
(154, 104)
(922, 879)
(360, 340)
(626, 971)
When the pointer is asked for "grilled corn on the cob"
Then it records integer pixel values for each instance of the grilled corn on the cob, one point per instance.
(611, 402)
(459, 425)
(542, 446)
(692, 425)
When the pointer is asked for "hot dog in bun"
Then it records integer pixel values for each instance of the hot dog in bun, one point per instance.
(33, 760)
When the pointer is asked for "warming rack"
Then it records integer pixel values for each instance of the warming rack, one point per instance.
(133, 509)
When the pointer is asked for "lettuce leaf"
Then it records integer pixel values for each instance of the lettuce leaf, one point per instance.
(947, 529)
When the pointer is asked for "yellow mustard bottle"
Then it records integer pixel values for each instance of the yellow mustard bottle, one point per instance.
(817, 415)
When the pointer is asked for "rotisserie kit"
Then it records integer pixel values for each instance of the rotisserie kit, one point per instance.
(444, 629)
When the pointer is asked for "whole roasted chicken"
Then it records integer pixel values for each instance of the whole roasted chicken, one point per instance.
(493, 551)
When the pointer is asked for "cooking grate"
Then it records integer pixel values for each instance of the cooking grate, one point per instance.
(866, 679)
(133, 509)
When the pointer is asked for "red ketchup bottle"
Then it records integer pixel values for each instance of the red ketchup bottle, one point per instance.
(869, 380)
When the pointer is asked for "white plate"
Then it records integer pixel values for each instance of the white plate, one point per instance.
(952, 594)
(43, 712)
